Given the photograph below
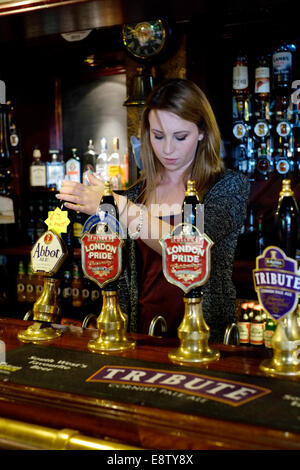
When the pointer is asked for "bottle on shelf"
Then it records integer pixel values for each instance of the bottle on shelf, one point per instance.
(102, 161)
(244, 325)
(8, 199)
(114, 166)
(21, 282)
(37, 171)
(262, 88)
(88, 162)
(240, 88)
(282, 62)
(257, 327)
(73, 166)
(55, 171)
(286, 221)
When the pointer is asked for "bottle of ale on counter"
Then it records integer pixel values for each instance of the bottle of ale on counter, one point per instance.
(287, 225)
(257, 327)
(244, 325)
(191, 208)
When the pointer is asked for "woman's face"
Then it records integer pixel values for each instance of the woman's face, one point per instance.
(174, 140)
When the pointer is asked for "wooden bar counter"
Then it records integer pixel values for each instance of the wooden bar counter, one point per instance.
(42, 417)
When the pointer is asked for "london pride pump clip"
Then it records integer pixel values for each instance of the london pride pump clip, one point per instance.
(101, 256)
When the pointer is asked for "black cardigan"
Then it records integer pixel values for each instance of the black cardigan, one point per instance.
(225, 206)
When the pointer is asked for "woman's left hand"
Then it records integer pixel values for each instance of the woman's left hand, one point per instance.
(80, 197)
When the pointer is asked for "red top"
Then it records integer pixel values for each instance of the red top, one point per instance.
(157, 295)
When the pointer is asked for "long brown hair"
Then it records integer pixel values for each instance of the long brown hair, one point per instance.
(185, 99)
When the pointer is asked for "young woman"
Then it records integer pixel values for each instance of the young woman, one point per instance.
(180, 140)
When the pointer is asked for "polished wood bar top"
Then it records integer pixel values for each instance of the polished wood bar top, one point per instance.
(136, 425)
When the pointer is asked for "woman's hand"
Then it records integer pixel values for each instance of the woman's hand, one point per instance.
(80, 197)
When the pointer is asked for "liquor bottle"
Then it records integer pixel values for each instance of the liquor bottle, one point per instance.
(89, 162)
(262, 88)
(37, 171)
(102, 161)
(73, 166)
(257, 328)
(8, 209)
(30, 291)
(114, 166)
(191, 209)
(14, 138)
(282, 61)
(286, 221)
(244, 325)
(107, 206)
(55, 171)
(240, 87)
(21, 282)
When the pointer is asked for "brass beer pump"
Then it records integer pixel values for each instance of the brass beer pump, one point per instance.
(47, 256)
(189, 272)
(101, 255)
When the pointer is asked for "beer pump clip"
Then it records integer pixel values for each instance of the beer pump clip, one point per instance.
(186, 258)
(47, 256)
(101, 256)
(277, 283)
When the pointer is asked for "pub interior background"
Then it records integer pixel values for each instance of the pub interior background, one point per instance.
(59, 89)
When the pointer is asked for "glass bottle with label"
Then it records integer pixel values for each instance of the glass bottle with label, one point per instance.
(37, 171)
(55, 171)
(114, 166)
(244, 325)
(8, 201)
(240, 87)
(262, 88)
(89, 162)
(257, 328)
(73, 166)
(102, 161)
(287, 222)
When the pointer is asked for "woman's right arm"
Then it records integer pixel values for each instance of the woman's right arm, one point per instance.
(136, 218)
